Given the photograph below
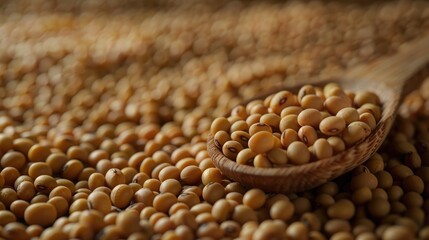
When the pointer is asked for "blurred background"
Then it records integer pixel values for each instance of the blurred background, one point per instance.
(82, 63)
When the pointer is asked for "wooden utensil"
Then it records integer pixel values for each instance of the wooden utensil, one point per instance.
(390, 78)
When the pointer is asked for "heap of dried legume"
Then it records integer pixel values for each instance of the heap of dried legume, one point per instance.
(293, 129)
(114, 100)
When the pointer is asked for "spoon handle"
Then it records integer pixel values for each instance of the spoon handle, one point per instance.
(402, 71)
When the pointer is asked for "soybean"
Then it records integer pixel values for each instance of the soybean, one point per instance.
(43, 214)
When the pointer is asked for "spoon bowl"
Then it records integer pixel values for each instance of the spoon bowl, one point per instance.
(390, 78)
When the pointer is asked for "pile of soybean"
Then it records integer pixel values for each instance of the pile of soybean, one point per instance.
(287, 129)
(106, 107)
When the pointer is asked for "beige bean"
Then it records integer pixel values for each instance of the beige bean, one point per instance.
(261, 161)
(43, 214)
(282, 100)
(261, 142)
(282, 210)
(312, 101)
(336, 103)
(289, 122)
(246, 156)
(231, 148)
(288, 136)
(349, 114)
(307, 135)
(297, 153)
(277, 156)
(121, 195)
(322, 149)
(220, 124)
(332, 125)
(310, 117)
(259, 127)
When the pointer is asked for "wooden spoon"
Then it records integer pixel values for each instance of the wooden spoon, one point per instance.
(390, 78)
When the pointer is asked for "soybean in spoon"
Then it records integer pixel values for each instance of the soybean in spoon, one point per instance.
(390, 78)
